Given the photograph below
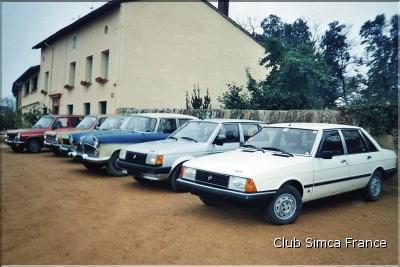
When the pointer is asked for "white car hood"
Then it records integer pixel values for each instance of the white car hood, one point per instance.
(168, 146)
(250, 164)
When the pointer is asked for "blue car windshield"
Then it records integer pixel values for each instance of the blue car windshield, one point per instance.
(87, 122)
(139, 124)
(294, 141)
(199, 131)
(44, 122)
(112, 123)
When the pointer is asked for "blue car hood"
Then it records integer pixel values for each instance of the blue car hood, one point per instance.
(78, 135)
(118, 137)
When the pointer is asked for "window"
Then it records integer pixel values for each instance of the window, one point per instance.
(60, 123)
(46, 80)
(26, 88)
(331, 142)
(182, 122)
(72, 66)
(167, 125)
(104, 64)
(354, 142)
(249, 130)
(70, 109)
(45, 111)
(86, 108)
(89, 64)
(370, 145)
(75, 121)
(34, 82)
(74, 39)
(103, 107)
(100, 121)
(106, 29)
(231, 132)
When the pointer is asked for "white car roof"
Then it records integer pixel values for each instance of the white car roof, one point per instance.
(164, 115)
(229, 120)
(314, 126)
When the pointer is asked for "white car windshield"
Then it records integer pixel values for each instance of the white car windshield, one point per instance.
(113, 123)
(86, 123)
(44, 122)
(290, 140)
(139, 124)
(197, 131)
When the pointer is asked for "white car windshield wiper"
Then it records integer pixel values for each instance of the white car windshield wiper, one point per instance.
(254, 147)
(189, 138)
(278, 150)
(173, 137)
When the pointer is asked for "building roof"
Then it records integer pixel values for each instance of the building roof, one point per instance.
(313, 126)
(21, 79)
(104, 9)
(109, 7)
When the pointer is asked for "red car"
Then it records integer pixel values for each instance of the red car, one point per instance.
(32, 139)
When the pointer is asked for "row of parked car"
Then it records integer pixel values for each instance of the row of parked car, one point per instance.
(276, 166)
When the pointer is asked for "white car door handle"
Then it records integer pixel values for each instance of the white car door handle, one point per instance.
(343, 161)
(368, 157)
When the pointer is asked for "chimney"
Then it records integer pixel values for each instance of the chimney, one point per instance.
(223, 7)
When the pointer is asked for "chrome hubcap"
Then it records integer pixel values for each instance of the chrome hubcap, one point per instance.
(285, 206)
(375, 186)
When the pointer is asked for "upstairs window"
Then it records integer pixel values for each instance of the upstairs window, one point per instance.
(72, 67)
(46, 80)
(104, 62)
(26, 88)
(34, 82)
(89, 67)
(74, 39)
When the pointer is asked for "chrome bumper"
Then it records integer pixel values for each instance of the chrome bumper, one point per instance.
(13, 142)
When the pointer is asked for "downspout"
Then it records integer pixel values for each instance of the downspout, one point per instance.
(51, 70)
(120, 50)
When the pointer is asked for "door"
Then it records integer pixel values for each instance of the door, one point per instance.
(230, 135)
(361, 159)
(330, 174)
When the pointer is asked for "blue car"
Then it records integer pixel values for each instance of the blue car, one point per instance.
(101, 149)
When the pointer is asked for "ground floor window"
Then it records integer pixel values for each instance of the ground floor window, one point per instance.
(86, 108)
(70, 109)
(103, 107)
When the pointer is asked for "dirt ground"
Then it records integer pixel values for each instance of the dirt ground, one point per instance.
(55, 212)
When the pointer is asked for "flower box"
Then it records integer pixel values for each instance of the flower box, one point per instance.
(85, 83)
(101, 80)
(68, 87)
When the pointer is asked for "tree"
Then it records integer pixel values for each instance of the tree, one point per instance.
(335, 51)
(381, 58)
(196, 101)
(7, 113)
(234, 98)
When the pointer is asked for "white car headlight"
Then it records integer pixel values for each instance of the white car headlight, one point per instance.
(122, 154)
(188, 173)
(242, 184)
(237, 183)
(155, 159)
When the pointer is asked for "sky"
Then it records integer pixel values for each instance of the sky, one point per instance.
(25, 24)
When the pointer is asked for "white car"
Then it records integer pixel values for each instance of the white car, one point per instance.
(162, 160)
(284, 165)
